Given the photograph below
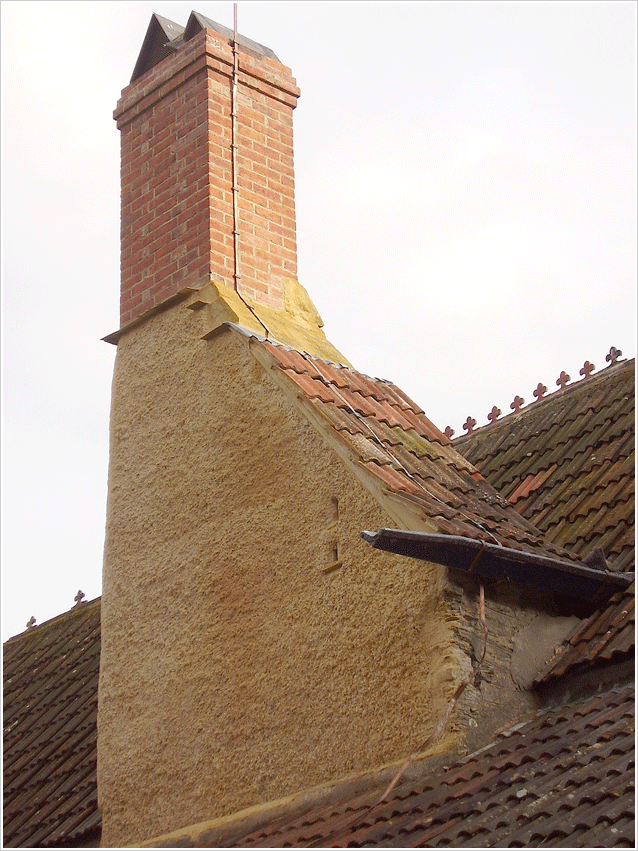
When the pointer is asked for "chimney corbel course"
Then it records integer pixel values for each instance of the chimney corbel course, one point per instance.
(206, 49)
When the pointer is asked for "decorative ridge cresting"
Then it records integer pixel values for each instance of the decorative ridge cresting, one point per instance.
(586, 371)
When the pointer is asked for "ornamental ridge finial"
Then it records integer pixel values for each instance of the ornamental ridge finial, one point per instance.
(469, 424)
(613, 356)
(563, 380)
(540, 391)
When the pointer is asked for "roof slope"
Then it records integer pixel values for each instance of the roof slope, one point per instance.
(566, 777)
(392, 443)
(566, 463)
(50, 730)
(607, 636)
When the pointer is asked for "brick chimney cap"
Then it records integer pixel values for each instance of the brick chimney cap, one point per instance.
(164, 37)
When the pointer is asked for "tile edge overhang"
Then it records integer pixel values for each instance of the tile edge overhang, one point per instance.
(494, 562)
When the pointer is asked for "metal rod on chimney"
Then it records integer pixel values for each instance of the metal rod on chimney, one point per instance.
(235, 182)
(237, 272)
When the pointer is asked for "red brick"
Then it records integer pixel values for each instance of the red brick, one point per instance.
(177, 206)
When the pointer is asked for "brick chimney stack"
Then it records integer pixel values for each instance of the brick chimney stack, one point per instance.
(175, 120)
(203, 511)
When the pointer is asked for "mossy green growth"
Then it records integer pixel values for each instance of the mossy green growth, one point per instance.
(298, 325)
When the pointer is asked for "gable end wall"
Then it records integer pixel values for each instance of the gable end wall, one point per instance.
(244, 667)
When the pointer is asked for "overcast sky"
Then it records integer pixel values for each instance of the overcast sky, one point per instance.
(466, 208)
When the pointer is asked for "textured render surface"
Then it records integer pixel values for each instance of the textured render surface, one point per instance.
(234, 669)
(177, 204)
(50, 681)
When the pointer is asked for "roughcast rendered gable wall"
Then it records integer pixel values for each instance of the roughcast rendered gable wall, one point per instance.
(234, 669)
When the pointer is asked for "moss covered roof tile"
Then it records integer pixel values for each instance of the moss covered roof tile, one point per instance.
(50, 730)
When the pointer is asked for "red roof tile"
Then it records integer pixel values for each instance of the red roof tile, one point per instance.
(50, 730)
(607, 635)
(407, 453)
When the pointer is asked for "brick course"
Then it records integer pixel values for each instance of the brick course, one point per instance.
(176, 173)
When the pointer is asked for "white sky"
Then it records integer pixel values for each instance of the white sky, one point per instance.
(466, 207)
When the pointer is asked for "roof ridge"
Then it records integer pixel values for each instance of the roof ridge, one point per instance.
(304, 354)
(311, 357)
(565, 386)
(81, 606)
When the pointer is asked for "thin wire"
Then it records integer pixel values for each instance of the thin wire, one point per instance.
(235, 176)
(434, 735)
(235, 183)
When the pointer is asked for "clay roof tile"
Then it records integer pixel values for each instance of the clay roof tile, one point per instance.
(422, 466)
(566, 773)
(49, 766)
